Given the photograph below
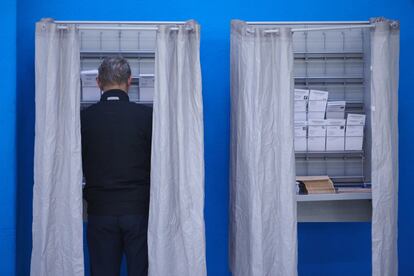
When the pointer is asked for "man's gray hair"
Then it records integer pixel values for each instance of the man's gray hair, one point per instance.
(114, 70)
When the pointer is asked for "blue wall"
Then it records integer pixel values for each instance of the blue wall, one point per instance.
(324, 249)
(8, 138)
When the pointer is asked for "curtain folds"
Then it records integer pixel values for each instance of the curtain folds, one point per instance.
(384, 119)
(263, 239)
(176, 238)
(57, 195)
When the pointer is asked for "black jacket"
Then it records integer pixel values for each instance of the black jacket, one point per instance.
(116, 154)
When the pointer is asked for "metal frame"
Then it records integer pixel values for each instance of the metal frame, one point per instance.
(120, 28)
(306, 22)
(140, 25)
(104, 26)
(330, 28)
(337, 196)
(338, 25)
(307, 159)
(122, 22)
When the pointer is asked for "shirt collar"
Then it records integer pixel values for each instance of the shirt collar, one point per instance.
(115, 95)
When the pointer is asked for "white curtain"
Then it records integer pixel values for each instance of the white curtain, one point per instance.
(176, 239)
(57, 195)
(384, 118)
(263, 239)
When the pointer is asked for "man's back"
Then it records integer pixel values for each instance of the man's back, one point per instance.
(116, 151)
(116, 154)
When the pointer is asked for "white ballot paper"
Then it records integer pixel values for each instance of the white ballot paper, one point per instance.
(335, 134)
(316, 135)
(90, 90)
(354, 135)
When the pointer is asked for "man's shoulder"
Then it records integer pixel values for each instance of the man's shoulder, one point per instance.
(141, 108)
(90, 109)
(128, 107)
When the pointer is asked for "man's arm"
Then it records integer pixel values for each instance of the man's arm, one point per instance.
(83, 138)
(148, 129)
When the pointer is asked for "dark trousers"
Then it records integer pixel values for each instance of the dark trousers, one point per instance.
(111, 236)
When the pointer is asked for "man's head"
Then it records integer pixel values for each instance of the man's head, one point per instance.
(114, 73)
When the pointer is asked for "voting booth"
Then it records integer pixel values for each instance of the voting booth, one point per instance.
(165, 63)
(314, 102)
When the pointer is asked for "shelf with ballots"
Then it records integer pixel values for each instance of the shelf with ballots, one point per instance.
(314, 104)
(330, 134)
(315, 133)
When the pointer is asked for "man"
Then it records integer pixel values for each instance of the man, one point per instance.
(116, 152)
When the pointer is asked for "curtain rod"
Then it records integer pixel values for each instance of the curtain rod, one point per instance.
(307, 22)
(334, 28)
(324, 28)
(123, 22)
(120, 28)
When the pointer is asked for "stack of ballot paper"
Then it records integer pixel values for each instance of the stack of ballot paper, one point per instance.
(317, 104)
(301, 103)
(146, 87)
(316, 135)
(335, 134)
(354, 135)
(90, 91)
(335, 110)
(317, 184)
(301, 136)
